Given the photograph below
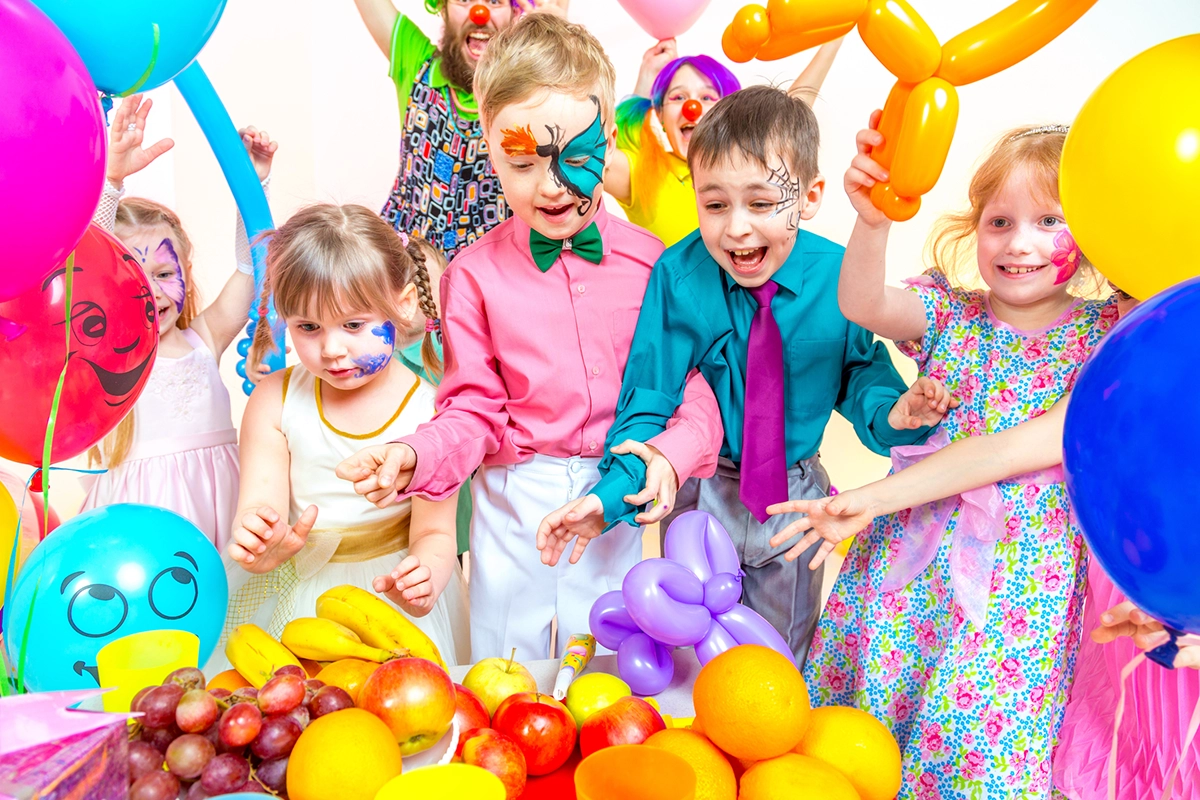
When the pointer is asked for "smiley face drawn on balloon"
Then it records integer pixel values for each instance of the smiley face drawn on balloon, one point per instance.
(118, 570)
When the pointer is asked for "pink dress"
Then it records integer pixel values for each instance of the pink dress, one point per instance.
(1158, 706)
(184, 456)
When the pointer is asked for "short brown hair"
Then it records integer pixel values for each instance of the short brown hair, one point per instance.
(543, 51)
(760, 122)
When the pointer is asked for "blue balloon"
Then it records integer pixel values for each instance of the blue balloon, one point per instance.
(1132, 456)
(103, 575)
(135, 45)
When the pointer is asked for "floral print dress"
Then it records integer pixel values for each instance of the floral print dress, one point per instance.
(975, 709)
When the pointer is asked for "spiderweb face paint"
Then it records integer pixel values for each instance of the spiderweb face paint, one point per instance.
(1066, 256)
(789, 195)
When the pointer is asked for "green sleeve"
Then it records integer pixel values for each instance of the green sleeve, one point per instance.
(667, 345)
(411, 48)
(870, 387)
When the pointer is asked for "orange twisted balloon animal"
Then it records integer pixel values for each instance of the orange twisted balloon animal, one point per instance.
(922, 109)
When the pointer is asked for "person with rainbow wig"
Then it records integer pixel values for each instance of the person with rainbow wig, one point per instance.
(652, 181)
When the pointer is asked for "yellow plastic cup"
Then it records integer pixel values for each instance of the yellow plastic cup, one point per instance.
(451, 781)
(138, 660)
(634, 772)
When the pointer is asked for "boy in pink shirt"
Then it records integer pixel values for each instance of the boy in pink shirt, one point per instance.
(538, 316)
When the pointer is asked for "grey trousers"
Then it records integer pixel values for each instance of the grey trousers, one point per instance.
(787, 595)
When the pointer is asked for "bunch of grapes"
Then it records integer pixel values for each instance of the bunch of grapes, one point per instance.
(194, 744)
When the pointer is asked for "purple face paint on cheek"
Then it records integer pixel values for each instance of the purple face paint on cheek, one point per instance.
(1066, 256)
(371, 364)
(172, 287)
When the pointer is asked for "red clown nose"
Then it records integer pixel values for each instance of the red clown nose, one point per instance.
(480, 15)
(692, 110)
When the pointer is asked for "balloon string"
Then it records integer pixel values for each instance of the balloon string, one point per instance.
(1193, 726)
(1126, 671)
(153, 60)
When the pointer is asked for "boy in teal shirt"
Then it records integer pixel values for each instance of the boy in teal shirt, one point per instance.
(751, 301)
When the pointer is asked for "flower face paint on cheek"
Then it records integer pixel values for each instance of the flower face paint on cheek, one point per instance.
(1066, 256)
(374, 362)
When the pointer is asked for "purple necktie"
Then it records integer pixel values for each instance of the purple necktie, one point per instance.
(764, 462)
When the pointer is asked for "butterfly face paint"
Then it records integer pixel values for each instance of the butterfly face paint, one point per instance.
(1066, 256)
(576, 165)
(371, 363)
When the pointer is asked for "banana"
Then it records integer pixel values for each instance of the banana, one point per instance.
(377, 622)
(256, 655)
(326, 640)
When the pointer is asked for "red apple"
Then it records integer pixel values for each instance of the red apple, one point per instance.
(629, 720)
(541, 726)
(414, 697)
(469, 710)
(499, 755)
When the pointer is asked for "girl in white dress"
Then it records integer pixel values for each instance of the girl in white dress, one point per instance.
(344, 282)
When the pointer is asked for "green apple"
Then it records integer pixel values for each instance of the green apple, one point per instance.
(494, 679)
(591, 692)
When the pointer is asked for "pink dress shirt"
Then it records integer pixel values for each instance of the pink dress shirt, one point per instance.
(534, 360)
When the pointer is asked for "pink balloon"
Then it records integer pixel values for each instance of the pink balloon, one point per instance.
(665, 19)
(52, 161)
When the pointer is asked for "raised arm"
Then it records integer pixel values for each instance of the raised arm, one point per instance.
(220, 323)
(808, 85)
(126, 155)
(380, 18)
(863, 295)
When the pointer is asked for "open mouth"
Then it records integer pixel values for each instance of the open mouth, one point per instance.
(556, 214)
(1017, 270)
(81, 668)
(119, 384)
(685, 131)
(747, 261)
(163, 309)
(476, 43)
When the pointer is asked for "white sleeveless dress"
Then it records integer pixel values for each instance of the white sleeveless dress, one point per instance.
(353, 540)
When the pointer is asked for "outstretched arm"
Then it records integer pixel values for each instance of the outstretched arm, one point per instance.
(808, 85)
(380, 18)
(964, 465)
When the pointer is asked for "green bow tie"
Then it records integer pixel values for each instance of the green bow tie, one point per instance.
(585, 244)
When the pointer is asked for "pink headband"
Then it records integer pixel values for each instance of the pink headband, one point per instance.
(403, 238)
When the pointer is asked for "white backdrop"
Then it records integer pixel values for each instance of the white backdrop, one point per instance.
(308, 72)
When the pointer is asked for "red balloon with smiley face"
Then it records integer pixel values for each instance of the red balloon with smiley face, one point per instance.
(113, 341)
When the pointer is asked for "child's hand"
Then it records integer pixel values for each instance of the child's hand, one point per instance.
(261, 149)
(125, 153)
(410, 586)
(864, 173)
(833, 519)
(379, 473)
(263, 370)
(264, 540)
(582, 518)
(924, 404)
(1147, 633)
(657, 57)
(557, 7)
(661, 481)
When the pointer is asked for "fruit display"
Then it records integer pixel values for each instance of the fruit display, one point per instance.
(376, 622)
(415, 699)
(541, 726)
(494, 679)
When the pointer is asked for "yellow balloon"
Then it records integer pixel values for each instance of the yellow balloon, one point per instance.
(930, 115)
(1137, 140)
(900, 39)
(889, 123)
(1011, 35)
(8, 533)
(448, 780)
(859, 746)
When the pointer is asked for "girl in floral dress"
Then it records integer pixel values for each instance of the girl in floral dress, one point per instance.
(957, 623)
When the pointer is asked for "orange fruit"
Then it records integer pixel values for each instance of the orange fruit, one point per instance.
(796, 778)
(714, 775)
(311, 668)
(349, 674)
(230, 679)
(859, 746)
(346, 754)
(751, 702)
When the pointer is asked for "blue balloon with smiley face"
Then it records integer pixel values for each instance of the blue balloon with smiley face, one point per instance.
(105, 574)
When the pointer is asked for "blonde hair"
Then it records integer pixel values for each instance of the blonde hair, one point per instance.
(543, 51)
(133, 214)
(1038, 150)
(328, 259)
